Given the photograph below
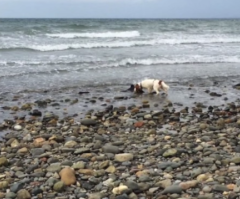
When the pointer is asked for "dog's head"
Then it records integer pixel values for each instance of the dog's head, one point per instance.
(138, 88)
(163, 85)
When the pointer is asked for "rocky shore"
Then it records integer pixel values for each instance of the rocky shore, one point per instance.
(129, 148)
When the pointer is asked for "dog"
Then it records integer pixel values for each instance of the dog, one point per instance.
(131, 89)
(151, 85)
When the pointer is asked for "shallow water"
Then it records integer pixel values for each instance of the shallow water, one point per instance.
(42, 54)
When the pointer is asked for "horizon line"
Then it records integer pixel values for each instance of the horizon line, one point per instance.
(120, 17)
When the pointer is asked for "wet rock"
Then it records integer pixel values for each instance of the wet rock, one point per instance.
(36, 112)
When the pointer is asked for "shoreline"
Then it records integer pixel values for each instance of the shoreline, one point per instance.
(112, 144)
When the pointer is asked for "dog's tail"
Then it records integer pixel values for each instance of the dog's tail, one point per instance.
(165, 86)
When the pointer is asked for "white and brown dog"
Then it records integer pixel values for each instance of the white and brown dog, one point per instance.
(151, 85)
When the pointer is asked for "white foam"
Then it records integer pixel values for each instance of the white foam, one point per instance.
(109, 62)
(116, 44)
(126, 44)
(170, 61)
(124, 34)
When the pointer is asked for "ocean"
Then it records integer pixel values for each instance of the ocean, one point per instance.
(58, 54)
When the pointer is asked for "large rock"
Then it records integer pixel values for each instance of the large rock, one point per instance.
(188, 184)
(119, 190)
(23, 194)
(123, 157)
(55, 167)
(237, 86)
(70, 144)
(37, 151)
(3, 184)
(16, 187)
(68, 176)
(172, 189)
(170, 153)
(88, 122)
(59, 186)
(109, 148)
(3, 161)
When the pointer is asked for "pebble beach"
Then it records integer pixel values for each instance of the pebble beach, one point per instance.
(108, 144)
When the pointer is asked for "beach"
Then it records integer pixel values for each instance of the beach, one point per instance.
(113, 144)
(70, 130)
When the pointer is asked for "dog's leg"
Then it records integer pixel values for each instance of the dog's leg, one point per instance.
(157, 91)
(165, 91)
(149, 90)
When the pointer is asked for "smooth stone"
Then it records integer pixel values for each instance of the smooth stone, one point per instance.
(163, 183)
(36, 191)
(120, 189)
(55, 167)
(206, 196)
(37, 151)
(79, 165)
(188, 184)
(10, 195)
(3, 184)
(3, 161)
(17, 127)
(123, 157)
(220, 188)
(235, 160)
(81, 150)
(67, 176)
(132, 185)
(88, 122)
(124, 196)
(16, 187)
(108, 148)
(59, 186)
(172, 189)
(70, 144)
(23, 194)
(170, 152)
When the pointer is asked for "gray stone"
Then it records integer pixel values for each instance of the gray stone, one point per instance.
(88, 122)
(10, 195)
(59, 186)
(16, 187)
(109, 148)
(55, 167)
(220, 188)
(172, 189)
(37, 151)
(23, 194)
(170, 153)
(81, 150)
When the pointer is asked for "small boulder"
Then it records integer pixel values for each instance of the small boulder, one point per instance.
(68, 176)
(123, 157)
(23, 194)
(3, 161)
(59, 186)
(88, 122)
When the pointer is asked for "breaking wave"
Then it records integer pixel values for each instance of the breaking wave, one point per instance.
(124, 34)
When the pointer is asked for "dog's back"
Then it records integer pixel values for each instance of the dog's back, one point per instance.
(147, 83)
